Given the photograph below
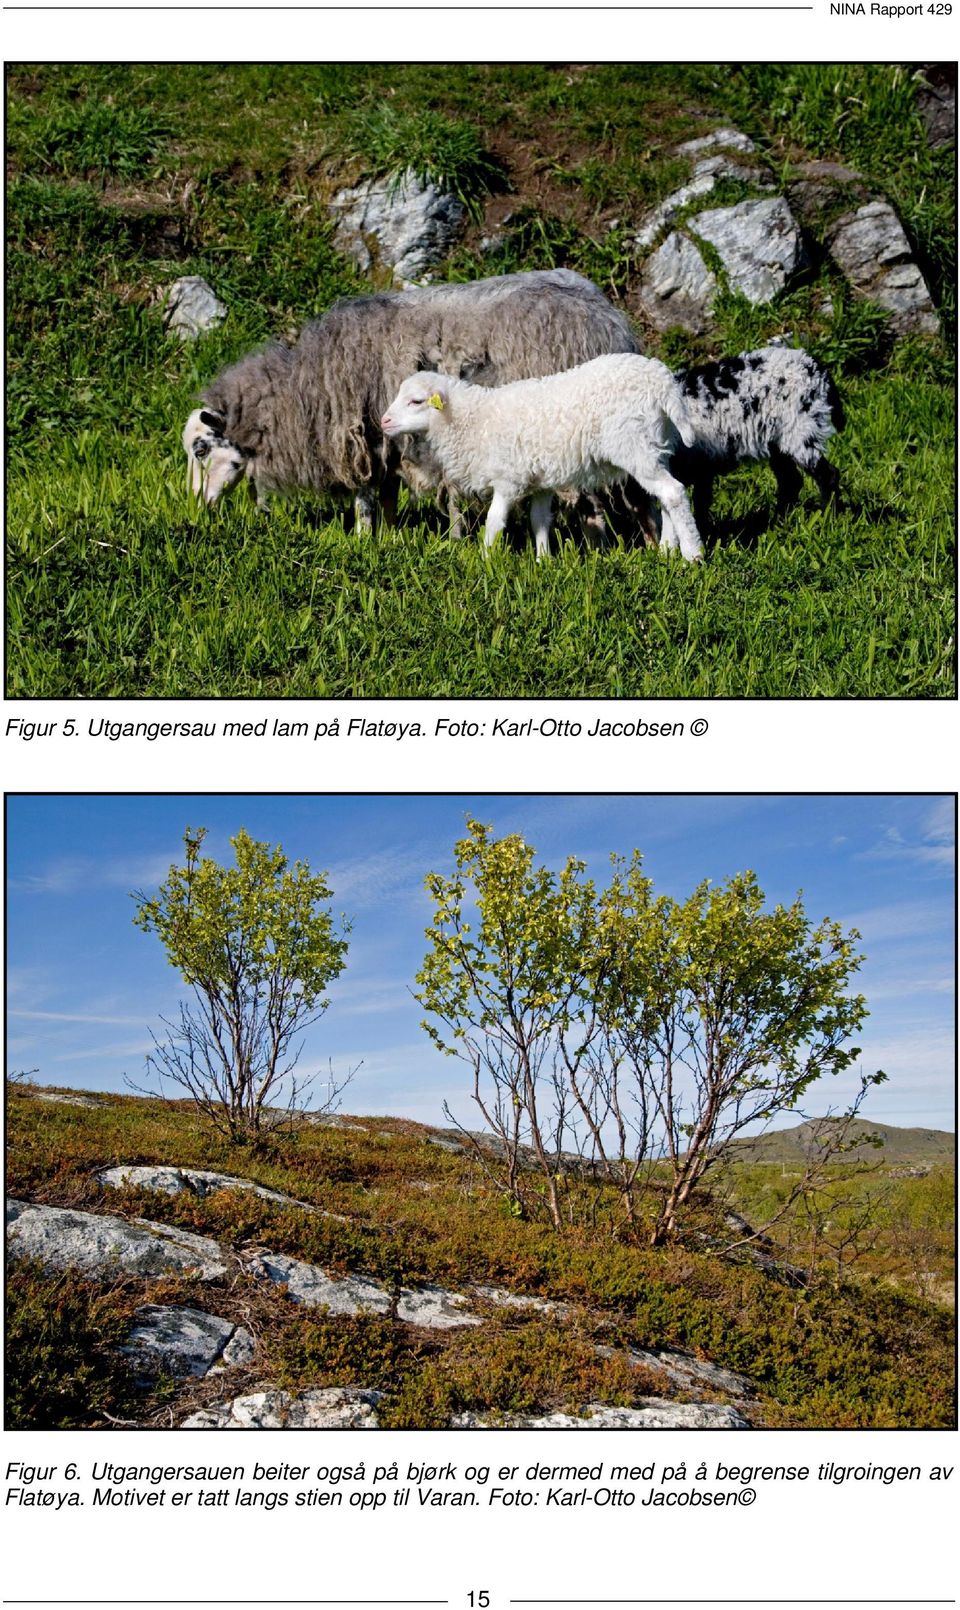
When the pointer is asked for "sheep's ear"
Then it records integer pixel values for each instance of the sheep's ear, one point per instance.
(215, 422)
(471, 367)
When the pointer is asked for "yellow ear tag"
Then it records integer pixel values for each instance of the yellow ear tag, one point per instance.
(436, 401)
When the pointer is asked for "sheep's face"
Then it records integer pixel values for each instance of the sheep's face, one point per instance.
(214, 464)
(416, 404)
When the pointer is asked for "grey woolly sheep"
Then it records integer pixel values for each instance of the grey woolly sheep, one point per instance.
(615, 416)
(308, 415)
(777, 405)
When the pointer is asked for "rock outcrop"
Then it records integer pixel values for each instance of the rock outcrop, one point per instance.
(654, 1414)
(758, 243)
(63, 1099)
(677, 287)
(873, 252)
(198, 1181)
(185, 1342)
(937, 101)
(335, 1408)
(100, 1245)
(191, 308)
(692, 1374)
(402, 224)
(429, 1306)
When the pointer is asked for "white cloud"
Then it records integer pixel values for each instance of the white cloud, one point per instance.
(365, 996)
(931, 844)
(74, 874)
(907, 920)
(75, 1017)
(369, 879)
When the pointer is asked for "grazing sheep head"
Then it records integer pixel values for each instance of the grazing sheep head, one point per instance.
(416, 403)
(214, 464)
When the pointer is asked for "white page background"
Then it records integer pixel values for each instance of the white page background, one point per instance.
(861, 1542)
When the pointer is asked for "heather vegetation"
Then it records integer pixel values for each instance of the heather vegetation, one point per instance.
(867, 1346)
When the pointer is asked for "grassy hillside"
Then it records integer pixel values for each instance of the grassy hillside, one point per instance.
(408, 1211)
(899, 1146)
(124, 178)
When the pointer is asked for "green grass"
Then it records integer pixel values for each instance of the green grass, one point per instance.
(443, 151)
(123, 180)
(874, 1353)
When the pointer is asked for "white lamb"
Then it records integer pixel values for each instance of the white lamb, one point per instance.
(614, 416)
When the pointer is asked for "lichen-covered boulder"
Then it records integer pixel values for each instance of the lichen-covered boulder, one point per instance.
(337, 1408)
(871, 249)
(198, 1181)
(655, 1414)
(676, 286)
(105, 1247)
(185, 1342)
(429, 1306)
(718, 139)
(402, 224)
(758, 243)
(191, 308)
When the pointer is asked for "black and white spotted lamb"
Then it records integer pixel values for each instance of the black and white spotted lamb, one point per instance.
(777, 405)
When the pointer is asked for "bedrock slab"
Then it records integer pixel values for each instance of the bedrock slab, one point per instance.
(185, 1342)
(349, 1295)
(758, 243)
(335, 1408)
(101, 1245)
(655, 1414)
(201, 1181)
(686, 1371)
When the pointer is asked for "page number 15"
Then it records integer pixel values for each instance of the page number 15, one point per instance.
(478, 1599)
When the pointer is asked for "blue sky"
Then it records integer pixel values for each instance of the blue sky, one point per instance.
(84, 985)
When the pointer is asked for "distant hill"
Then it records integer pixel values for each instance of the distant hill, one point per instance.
(907, 1147)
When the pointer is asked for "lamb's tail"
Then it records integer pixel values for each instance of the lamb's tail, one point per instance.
(675, 410)
(837, 416)
(674, 404)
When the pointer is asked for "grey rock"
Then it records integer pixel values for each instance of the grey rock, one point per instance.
(401, 224)
(185, 1342)
(434, 1308)
(328, 1120)
(758, 243)
(728, 139)
(690, 1373)
(191, 308)
(676, 286)
(429, 1306)
(815, 188)
(702, 181)
(64, 1100)
(444, 1144)
(99, 1244)
(308, 1284)
(334, 1408)
(655, 1414)
(870, 248)
(200, 1181)
(515, 1299)
(937, 101)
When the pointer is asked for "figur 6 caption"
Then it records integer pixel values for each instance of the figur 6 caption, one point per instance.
(373, 1487)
